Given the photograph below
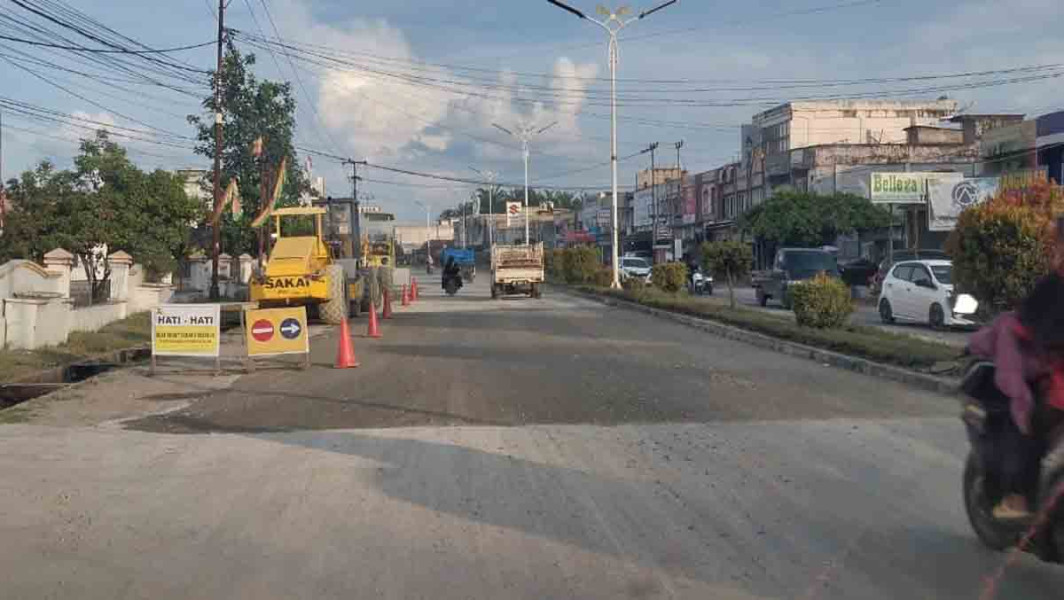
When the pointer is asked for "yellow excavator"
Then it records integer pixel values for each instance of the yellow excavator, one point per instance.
(301, 271)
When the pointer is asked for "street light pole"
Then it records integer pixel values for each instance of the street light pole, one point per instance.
(613, 24)
(525, 135)
(428, 225)
(490, 176)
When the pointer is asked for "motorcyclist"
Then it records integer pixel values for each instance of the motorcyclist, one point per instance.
(451, 270)
(1027, 348)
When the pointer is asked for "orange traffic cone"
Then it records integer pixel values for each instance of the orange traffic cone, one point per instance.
(406, 296)
(345, 354)
(373, 330)
(413, 289)
(387, 312)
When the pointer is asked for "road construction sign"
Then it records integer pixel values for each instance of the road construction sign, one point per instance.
(277, 331)
(186, 330)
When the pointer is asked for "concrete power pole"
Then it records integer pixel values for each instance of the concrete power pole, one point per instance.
(653, 202)
(354, 210)
(216, 233)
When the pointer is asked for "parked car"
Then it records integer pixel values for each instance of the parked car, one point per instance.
(632, 266)
(922, 291)
(899, 256)
(792, 265)
(861, 271)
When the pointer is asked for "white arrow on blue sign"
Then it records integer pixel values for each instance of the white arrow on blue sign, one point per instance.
(290, 328)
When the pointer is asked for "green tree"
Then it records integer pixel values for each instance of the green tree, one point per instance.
(728, 261)
(792, 218)
(105, 202)
(253, 109)
(1002, 247)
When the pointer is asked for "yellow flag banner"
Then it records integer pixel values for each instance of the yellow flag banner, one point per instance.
(232, 193)
(276, 193)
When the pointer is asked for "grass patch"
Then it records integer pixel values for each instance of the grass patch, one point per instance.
(134, 330)
(854, 340)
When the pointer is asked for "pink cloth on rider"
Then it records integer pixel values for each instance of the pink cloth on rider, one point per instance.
(1016, 367)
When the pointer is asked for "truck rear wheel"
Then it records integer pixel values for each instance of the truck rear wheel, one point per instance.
(334, 310)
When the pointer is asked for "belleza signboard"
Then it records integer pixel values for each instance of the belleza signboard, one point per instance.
(898, 188)
(186, 330)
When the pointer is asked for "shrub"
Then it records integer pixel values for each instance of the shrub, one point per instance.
(636, 285)
(1003, 246)
(602, 278)
(555, 266)
(669, 277)
(822, 302)
(581, 265)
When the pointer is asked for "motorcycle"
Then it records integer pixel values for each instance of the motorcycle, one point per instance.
(701, 284)
(452, 283)
(985, 412)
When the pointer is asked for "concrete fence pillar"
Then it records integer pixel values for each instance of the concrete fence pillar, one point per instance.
(225, 266)
(120, 263)
(199, 273)
(61, 262)
(247, 264)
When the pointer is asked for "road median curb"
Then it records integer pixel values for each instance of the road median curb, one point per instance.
(924, 381)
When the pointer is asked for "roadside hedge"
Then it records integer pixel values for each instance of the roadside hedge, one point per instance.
(854, 340)
(821, 302)
(669, 277)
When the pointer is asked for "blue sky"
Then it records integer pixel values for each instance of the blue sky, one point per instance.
(494, 49)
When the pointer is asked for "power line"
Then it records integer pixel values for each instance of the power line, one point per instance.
(102, 50)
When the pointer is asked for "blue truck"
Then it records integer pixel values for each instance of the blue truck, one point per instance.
(465, 258)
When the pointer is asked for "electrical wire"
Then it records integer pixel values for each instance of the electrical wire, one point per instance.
(102, 50)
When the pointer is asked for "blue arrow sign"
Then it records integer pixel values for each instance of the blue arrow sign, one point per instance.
(290, 328)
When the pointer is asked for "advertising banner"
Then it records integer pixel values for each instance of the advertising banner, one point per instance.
(186, 330)
(950, 195)
(513, 213)
(898, 188)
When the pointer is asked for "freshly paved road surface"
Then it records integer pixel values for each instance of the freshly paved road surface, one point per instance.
(509, 449)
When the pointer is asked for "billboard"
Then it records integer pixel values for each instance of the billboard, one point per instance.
(898, 188)
(948, 196)
(690, 203)
(513, 213)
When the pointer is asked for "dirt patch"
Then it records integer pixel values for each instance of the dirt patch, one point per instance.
(117, 395)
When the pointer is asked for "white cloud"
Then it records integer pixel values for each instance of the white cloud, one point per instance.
(378, 111)
(95, 121)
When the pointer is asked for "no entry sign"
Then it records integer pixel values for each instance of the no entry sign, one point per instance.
(262, 330)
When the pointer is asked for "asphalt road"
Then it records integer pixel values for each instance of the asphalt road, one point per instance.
(509, 449)
(866, 314)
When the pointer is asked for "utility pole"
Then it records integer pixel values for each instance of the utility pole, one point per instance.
(612, 24)
(679, 168)
(653, 202)
(490, 176)
(216, 233)
(3, 194)
(354, 210)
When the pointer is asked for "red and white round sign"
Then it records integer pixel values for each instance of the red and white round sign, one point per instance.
(262, 330)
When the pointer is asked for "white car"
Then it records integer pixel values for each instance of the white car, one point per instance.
(633, 266)
(922, 291)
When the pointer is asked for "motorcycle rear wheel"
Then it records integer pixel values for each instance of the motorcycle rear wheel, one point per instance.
(980, 506)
